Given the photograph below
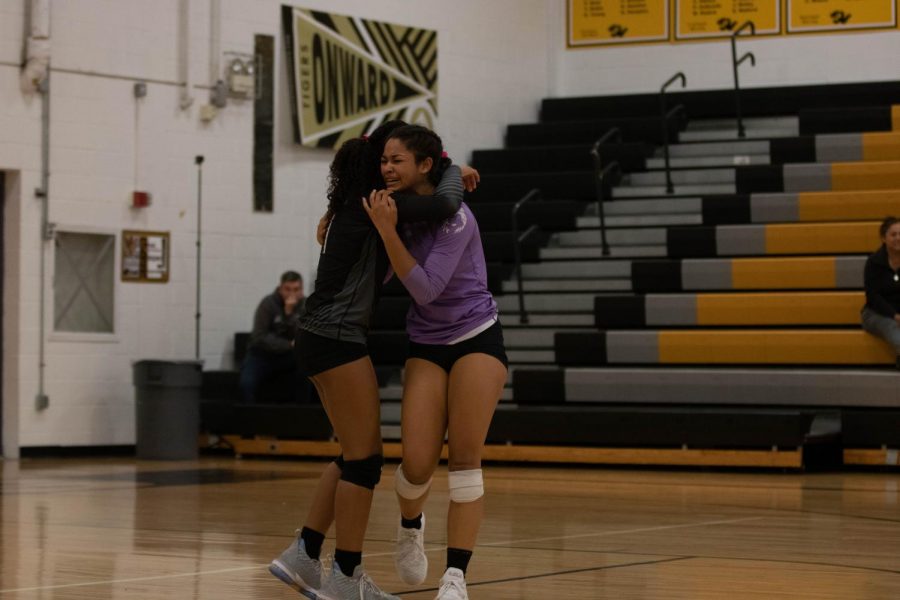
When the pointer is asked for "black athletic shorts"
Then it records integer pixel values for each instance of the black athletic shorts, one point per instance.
(317, 354)
(489, 341)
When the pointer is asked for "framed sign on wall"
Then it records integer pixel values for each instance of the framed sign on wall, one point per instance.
(610, 22)
(145, 256)
(719, 18)
(836, 15)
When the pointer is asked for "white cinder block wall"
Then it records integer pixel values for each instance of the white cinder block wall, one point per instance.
(781, 60)
(494, 60)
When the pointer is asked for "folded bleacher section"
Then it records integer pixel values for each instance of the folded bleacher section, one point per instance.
(722, 328)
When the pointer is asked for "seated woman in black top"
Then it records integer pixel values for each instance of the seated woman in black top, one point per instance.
(881, 314)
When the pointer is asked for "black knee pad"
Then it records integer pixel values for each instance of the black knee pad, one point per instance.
(364, 473)
(339, 461)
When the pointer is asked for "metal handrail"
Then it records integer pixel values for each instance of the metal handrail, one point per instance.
(534, 194)
(735, 63)
(615, 132)
(612, 169)
(664, 123)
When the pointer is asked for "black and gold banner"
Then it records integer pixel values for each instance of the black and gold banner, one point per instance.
(348, 75)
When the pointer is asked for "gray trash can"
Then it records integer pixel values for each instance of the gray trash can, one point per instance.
(167, 408)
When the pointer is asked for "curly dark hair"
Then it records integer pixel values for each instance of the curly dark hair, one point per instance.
(424, 143)
(353, 173)
(355, 170)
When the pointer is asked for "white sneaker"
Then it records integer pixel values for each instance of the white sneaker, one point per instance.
(453, 586)
(409, 556)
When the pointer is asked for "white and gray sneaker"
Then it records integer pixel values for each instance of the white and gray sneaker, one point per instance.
(453, 586)
(359, 587)
(295, 568)
(409, 556)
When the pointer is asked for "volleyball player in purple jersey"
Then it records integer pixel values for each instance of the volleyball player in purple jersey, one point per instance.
(457, 362)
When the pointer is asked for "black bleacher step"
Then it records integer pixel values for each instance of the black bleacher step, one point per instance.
(539, 386)
(662, 275)
(768, 101)
(620, 311)
(634, 129)
(759, 179)
(297, 421)
(220, 386)
(630, 156)
(845, 120)
(792, 150)
(511, 187)
(580, 348)
(499, 246)
(726, 209)
(871, 428)
(558, 215)
(217, 417)
(691, 242)
(651, 426)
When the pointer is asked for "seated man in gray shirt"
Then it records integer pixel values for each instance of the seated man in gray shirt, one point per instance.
(270, 350)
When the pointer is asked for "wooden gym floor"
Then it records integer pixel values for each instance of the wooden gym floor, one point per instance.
(117, 528)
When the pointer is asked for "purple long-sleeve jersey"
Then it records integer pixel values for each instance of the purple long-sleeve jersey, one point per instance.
(449, 282)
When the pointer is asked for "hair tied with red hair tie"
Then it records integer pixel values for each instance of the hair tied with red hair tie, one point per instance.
(444, 154)
(364, 137)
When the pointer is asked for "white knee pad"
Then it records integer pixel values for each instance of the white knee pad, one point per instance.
(466, 486)
(408, 490)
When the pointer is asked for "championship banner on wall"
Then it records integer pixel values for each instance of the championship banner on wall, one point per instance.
(348, 75)
(608, 22)
(837, 15)
(719, 18)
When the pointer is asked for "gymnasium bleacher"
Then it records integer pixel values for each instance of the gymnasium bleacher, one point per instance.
(722, 326)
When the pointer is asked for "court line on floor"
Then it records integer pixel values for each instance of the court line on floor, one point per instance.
(441, 548)
(622, 531)
(712, 557)
(559, 573)
(804, 511)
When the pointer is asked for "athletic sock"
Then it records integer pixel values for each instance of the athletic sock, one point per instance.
(312, 539)
(411, 523)
(458, 559)
(348, 561)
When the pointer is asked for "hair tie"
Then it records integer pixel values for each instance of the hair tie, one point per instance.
(364, 137)
(444, 154)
